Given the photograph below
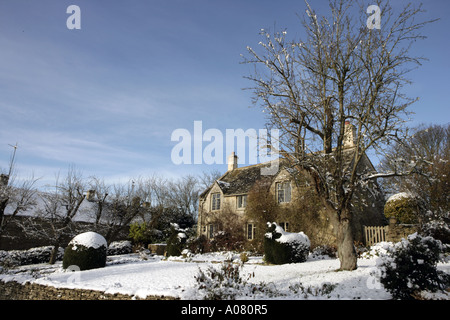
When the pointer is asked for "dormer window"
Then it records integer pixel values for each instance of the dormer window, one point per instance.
(215, 201)
(283, 192)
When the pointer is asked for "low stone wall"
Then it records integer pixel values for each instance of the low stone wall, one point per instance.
(158, 249)
(398, 231)
(31, 291)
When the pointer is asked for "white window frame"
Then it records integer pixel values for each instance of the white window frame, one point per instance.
(215, 201)
(250, 231)
(241, 201)
(284, 192)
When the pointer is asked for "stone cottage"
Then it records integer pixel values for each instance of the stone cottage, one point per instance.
(290, 190)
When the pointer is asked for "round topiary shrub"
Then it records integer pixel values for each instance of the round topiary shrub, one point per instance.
(403, 206)
(86, 251)
(285, 247)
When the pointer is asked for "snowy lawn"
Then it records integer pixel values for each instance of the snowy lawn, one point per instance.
(175, 277)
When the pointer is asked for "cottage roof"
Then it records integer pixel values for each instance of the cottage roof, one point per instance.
(240, 180)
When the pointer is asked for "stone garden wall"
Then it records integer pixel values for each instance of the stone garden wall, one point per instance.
(31, 291)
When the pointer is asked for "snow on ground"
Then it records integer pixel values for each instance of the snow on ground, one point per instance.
(129, 274)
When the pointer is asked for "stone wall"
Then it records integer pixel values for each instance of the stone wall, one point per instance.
(31, 291)
(398, 231)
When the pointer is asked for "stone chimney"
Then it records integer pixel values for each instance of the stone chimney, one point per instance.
(349, 135)
(232, 161)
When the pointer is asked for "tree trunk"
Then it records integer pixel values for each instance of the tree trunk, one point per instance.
(346, 248)
(54, 254)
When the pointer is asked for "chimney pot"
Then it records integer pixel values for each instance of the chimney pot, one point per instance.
(232, 161)
(349, 135)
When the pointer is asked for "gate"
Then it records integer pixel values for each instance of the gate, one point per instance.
(375, 234)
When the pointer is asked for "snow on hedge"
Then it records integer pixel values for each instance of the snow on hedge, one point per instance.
(289, 237)
(89, 240)
(401, 195)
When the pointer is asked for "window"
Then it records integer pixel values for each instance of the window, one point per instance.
(284, 225)
(250, 231)
(215, 201)
(283, 192)
(210, 231)
(241, 201)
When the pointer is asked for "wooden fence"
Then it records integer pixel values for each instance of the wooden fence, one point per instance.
(375, 234)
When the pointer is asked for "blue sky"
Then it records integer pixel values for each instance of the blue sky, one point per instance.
(107, 97)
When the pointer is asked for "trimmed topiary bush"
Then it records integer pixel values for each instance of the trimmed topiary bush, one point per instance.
(86, 251)
(404, 207)
(285, 247)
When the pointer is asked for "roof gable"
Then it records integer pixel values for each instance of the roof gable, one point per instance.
(240, 180)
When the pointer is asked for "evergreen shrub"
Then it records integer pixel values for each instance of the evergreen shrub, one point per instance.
(176, 241)
(86, 251)
(282, 247)
(410, 266)
(404, 207)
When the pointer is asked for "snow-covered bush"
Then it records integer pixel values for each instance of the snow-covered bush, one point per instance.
(377, 250)
(119, 247)
(285, 247)
(227, 283)
(198, 244)
(30, 256)
(87, 251)
(176, 240)
(324, 251)
(324, 289)
(409, 266)
(404, 207)
(437, 225)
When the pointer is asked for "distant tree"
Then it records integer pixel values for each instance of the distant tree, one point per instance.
(61, 203)
(98, 194)
(342, 72)
(183, 194)
(430, 145)
(207, 178)
(123, 206)
(15, 195)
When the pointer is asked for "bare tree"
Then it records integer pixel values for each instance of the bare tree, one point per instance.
(123, 206)
(341, 73)
(15, 195)
(184, 194)
(207, 178)
(60, 205)
(98, 194)
(431, 181)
